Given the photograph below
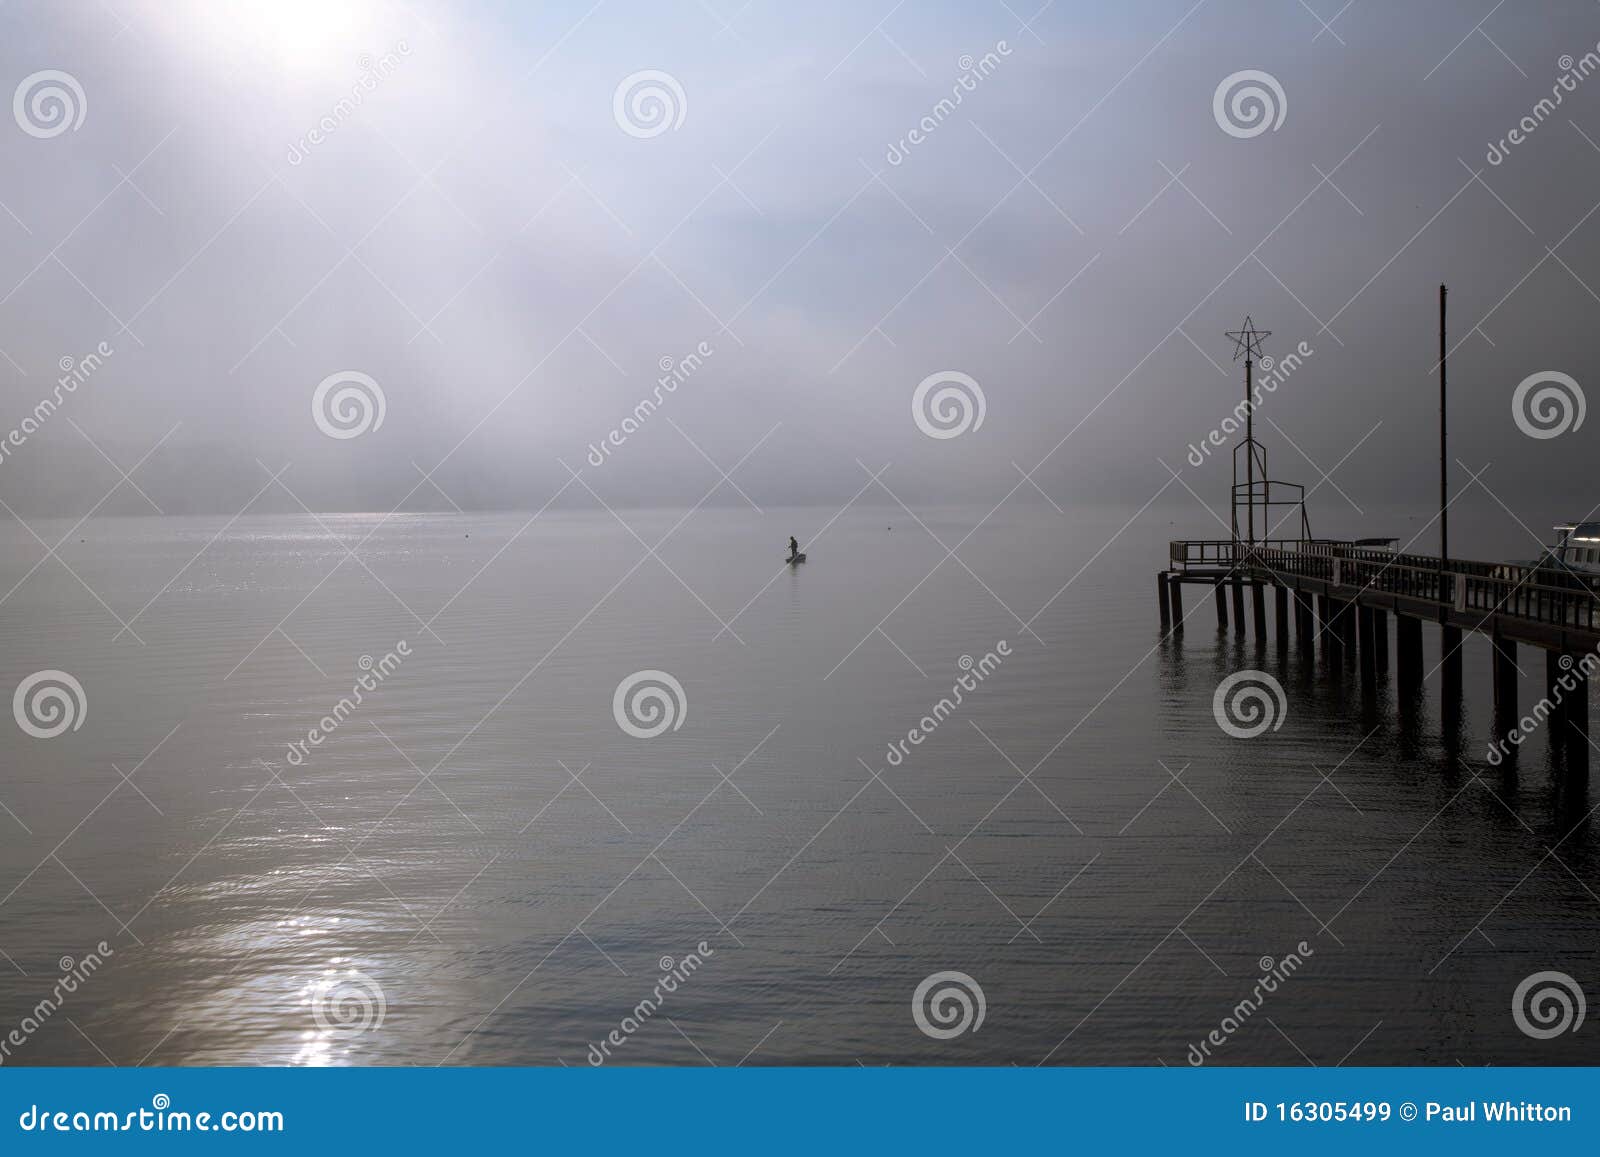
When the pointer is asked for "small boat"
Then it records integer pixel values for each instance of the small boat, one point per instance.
(1575, 555)
(794, 558)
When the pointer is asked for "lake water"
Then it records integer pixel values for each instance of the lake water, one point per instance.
(479, 865)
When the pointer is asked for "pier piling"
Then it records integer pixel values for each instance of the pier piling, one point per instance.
(1340, 628)
(1364, 643)
(1343, 593)
(1576, 711)
(1555, 695)
(1408, 652)
(1504, 658)
(1450, 669)
(1305, 619)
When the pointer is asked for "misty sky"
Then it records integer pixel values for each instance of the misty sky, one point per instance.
(481, 237)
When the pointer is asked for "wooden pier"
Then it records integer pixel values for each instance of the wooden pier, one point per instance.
(1343, 594)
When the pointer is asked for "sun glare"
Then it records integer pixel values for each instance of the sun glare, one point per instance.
(298, 35)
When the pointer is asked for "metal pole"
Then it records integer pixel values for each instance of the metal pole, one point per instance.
(1250, 451)
(1444, 495)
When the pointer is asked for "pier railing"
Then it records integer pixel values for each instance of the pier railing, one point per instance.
(1542, 594)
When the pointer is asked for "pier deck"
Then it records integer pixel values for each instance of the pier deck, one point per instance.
(1342, 593)
(1519, 603)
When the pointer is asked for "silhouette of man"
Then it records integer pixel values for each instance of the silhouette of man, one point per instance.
(794, 547)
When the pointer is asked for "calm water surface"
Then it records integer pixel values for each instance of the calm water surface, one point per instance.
(482, 843)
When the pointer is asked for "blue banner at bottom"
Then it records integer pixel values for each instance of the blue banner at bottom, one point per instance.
(800, 1110)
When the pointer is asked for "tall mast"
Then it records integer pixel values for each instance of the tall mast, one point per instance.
(1250, 454)
(1247, 344)
(1444, 493)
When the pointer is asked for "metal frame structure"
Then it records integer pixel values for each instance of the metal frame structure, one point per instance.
(1256, 491)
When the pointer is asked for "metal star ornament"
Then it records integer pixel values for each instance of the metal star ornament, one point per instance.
(1247, 340)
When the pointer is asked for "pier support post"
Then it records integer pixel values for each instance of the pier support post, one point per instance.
(1380, 639)
(1163, 599)
(1258, 599)
(1364, 631)
(1450, 671)
(1175, 588)
(1504, 657)
(1222, 607)
(1557, 696)
(1576, 711)
(1328, 622)
(1238, 606)
(1280, 607)
(1305, 618)
(1339, 627)
(1408, 652)
(1339, 635)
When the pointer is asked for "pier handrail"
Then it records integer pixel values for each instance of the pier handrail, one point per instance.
(1220, 551)
(1538, 594)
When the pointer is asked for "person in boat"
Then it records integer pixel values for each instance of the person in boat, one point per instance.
(794, 547)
